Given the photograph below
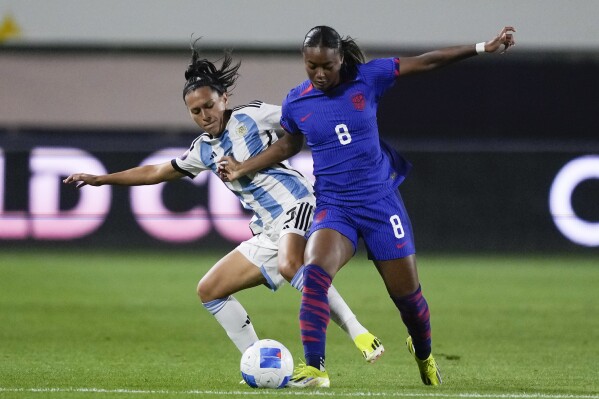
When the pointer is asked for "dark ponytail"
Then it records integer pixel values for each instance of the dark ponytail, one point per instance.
(202, 72)
(325, 36)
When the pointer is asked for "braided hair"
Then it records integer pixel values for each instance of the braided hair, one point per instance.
(325, 36)
(202, 72)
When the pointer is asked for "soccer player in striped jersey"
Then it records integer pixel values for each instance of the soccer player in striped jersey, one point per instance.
(356, 185)
(281, 199)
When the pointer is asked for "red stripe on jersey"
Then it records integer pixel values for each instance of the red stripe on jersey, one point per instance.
(308, 90)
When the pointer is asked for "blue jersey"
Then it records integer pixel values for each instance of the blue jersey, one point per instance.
(341, 129)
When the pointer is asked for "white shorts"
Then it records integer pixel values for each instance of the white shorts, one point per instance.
(262, 249)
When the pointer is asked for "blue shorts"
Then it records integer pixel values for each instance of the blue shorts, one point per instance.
(384, 226)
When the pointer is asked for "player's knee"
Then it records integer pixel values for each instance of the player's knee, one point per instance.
(288, 267)
(205, 291)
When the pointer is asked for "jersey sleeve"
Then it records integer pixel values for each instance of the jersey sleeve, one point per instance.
(270, 116)
(190, 163)
(381, 73)
(287, 121)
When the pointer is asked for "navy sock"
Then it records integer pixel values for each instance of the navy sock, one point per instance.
(315, 314)
(416, 316)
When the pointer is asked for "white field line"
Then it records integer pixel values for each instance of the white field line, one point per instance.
(286, 392)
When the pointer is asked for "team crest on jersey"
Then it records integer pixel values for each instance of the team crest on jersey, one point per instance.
(241, 130)
(359, 101)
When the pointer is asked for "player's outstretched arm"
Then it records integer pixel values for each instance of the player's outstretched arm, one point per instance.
(439, 58)
(284, 148)
(141, 175)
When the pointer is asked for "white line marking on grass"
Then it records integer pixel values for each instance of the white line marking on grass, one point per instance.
(310, 392)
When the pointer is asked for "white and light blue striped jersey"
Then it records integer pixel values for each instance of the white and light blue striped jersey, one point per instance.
(250, 130)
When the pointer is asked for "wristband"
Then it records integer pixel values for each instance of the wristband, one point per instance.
(480, 48)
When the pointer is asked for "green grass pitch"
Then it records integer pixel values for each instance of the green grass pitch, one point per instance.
(129, 325)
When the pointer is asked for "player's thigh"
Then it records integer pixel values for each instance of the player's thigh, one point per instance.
(231, 274)
(400, 275)
(328, 249)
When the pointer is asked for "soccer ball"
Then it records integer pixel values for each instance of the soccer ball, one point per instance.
(266, 364)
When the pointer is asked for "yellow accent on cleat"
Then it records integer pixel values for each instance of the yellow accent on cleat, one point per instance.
(370, 346)
(429, 370)
(305, 376)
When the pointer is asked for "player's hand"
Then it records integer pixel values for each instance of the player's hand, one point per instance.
(82, 179)
(502, 42)
(229, 169)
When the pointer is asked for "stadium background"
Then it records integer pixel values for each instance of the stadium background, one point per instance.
(94, 86)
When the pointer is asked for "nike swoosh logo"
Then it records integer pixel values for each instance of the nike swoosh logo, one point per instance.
(308, 89)
(400, 246)
(303, 119)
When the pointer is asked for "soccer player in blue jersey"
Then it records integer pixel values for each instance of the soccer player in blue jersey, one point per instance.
(281, 199)
(356, 184)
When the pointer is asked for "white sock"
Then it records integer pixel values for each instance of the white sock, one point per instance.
(235, 320)
(341, 314)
